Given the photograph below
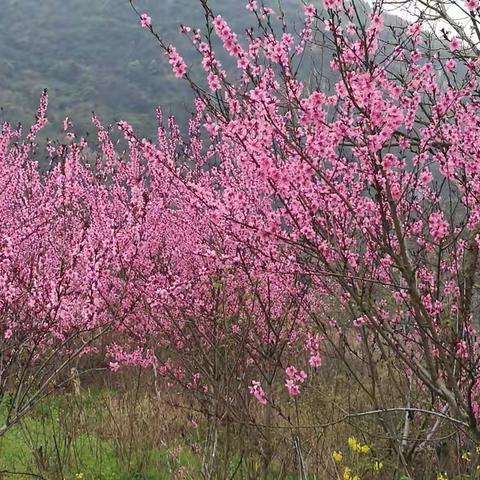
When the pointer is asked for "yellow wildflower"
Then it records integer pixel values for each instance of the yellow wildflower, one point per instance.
(377, 466)
(440, 476)
(352, 443)
(466, 456)
(79, 476)
(337, 456)
(348, 475)
(356, 446)
(363, 449)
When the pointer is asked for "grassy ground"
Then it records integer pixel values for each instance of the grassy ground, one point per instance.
(66, 438)
(122, 431)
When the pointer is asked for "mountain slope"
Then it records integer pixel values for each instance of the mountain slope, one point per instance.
(92, 55)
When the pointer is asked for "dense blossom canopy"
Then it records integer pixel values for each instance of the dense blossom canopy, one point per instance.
(290, 218)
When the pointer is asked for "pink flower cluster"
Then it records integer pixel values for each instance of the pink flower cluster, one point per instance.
(312, 345)
(294, 379)
(472, 5)
(145, 21)
(179, 66)
(438, 226)
(455, 44)
(228, 38)
(332, 3)
(257, 391)
(310, 10)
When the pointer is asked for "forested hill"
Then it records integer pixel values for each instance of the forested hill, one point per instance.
(92, 55)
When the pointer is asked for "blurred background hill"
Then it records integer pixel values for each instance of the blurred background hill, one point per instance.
(92, 55)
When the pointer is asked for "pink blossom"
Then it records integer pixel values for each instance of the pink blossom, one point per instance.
(438, 226)
(315, 361)
(332, 3)
(310, 10)
(257, 391)
(214, 82)
(416, 56)
(462, 349)
(293, 389)
(179, 67)
(377, 21)
(291, 372)
(145, 21)
(294, 377)
(350, 28)
(450, 64)
(360, 321)
(114, 366)
(67, 123)
(455, 44)
(472, 4)
(243, 63)
(414, 29)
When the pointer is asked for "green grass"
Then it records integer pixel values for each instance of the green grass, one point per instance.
(42, 445)
(105, 434)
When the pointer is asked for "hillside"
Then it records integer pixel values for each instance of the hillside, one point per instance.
(92, 55)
